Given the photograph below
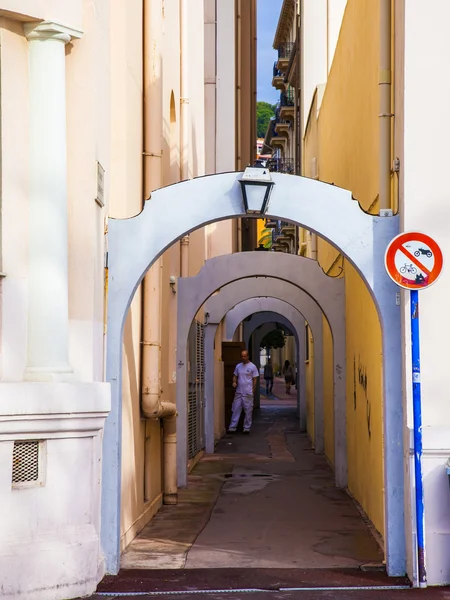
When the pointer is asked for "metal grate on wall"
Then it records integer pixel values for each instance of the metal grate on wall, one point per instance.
(192, 423)
(26, 463)
(200, 347)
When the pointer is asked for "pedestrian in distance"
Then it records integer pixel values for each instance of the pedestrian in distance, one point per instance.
(288, 376)
(268, 376)
(245, 379)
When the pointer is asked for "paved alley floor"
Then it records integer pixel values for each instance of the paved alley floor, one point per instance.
(260, 520)
(262, 501)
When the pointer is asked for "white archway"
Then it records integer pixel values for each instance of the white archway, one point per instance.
(274, 307)
(234, 297)
(305, 284)
(134, 245)
(295, 318)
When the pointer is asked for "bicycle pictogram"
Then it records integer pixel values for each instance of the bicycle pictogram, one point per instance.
(408, 268)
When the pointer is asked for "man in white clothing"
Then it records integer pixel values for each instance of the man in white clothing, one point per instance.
(245, 379)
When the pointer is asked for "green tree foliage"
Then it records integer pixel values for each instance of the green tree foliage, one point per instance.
(274, 339)
(266, 238)
(264, 112)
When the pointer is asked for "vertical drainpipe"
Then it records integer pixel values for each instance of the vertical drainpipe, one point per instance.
(385, 114)
(152, 406)
(185, 119)
(238, 71)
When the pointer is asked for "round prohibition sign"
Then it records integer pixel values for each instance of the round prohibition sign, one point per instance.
(413, 260)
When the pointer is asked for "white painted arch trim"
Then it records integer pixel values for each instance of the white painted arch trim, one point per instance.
(235, 302)
(312, 285)
(210, 335)
(277, 308)
(133, 246)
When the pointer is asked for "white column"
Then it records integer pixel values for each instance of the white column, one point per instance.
(48, 228)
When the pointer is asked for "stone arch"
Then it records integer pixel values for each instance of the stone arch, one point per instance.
(274, 306)
(210, 333)
(290, 316)
(134, 245)
(231, 298)
(313, 286)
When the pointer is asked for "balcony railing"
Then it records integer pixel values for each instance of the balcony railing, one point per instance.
(285, 50)
(276, 71)
(287, 98)
(276, 232)
(281, 165)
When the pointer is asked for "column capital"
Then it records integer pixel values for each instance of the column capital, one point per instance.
(48, 30)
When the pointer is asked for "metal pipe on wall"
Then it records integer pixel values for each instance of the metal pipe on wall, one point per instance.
(238, 70)
(385, 114)
(185, 119)
(152, 405)
(184, 85)
(184, 271)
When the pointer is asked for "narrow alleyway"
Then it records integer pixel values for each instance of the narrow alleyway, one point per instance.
(262, 501)
(260, 519)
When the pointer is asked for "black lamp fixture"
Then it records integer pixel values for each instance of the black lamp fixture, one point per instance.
(256, 184)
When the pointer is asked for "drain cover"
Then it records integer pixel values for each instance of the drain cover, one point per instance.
(242, 475)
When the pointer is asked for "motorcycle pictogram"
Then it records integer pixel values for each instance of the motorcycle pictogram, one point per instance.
(424, 251)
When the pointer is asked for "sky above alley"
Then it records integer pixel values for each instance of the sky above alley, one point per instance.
(268, 13)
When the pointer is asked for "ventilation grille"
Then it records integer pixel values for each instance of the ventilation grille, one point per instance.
(200, 346)
(192, 424)
(25, 468)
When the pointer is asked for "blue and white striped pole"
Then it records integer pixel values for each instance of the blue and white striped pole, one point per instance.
(417, 415)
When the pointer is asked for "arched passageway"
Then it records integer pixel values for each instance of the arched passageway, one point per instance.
(234, 294)
(271, 307)
(304, 281)
(134, 245)
(293, 318)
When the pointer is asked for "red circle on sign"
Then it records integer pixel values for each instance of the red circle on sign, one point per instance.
(413, 260)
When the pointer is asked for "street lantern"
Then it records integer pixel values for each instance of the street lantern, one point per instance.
(256, 184)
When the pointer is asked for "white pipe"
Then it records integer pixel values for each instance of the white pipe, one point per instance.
(184, 99)
(170, 495)
(385, 115)
(238, 85)
(185, 115)
(152, 406)
(184, 256)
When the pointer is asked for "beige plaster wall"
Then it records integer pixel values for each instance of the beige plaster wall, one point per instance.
(14, 192)
(104, 124)
(68, 13)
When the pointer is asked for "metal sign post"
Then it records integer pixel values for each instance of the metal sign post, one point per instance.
(417, 425)
(414, 261)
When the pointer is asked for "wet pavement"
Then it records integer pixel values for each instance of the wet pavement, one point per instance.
(261, 518)
(261, 501)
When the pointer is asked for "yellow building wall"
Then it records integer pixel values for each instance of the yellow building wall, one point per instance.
(348, 120)
(309, 373)
(364, 398)
(346, 141)
(328, 392)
